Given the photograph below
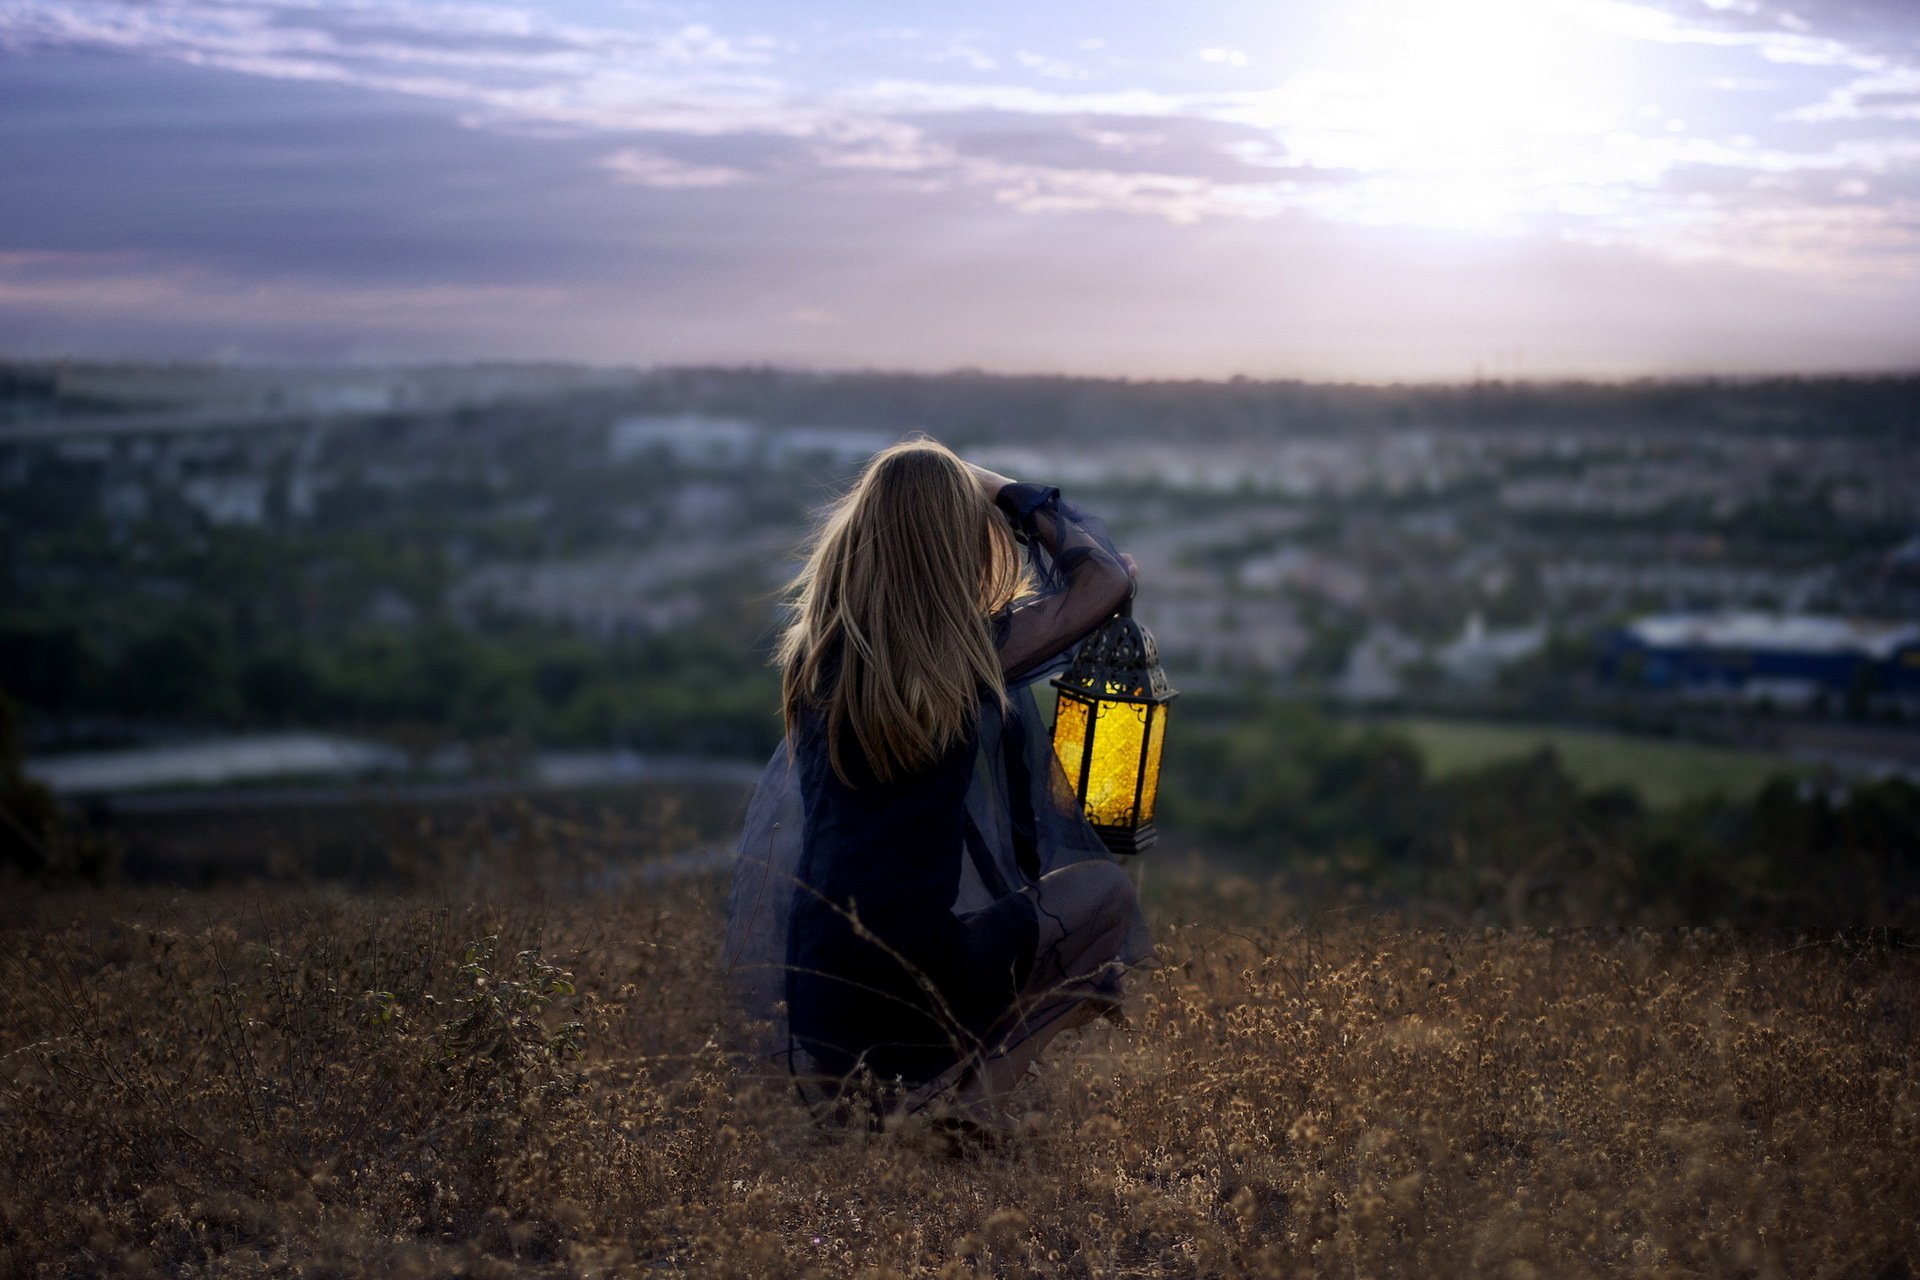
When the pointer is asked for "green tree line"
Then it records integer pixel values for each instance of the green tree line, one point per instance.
(1523, 840)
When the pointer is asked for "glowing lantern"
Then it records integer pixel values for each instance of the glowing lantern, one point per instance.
(1109, 726)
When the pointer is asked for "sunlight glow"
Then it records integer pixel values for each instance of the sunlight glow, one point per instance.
(1480, 114)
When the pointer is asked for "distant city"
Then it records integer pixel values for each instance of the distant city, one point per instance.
(245, 548)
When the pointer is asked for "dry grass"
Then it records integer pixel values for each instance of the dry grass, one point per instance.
(299, 1084)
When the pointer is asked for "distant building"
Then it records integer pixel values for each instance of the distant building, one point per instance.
(842, 446)
(687, 437)
(699, 440)
(1905, 558)
(1376, 666)
(1478, 656)
(1207, 633)
(1787, 658)
(228, 499)
(343, 398)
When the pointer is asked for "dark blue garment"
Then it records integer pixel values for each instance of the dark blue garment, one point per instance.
(892, 924)
(881, 971)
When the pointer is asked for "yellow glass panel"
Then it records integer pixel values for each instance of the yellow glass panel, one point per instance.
(1119, 728)
(1070, 735)
(1156, 738)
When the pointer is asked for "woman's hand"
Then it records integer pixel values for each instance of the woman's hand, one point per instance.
(1133, 570)
(991, 482)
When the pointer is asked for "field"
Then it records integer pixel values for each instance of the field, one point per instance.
(502, 1083)
(1664, 773)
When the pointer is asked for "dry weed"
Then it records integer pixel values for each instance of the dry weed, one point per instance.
(298, 1083)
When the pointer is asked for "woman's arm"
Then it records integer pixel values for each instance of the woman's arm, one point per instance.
(1097, 582)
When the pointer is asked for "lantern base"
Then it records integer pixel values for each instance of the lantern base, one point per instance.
(1127, 841)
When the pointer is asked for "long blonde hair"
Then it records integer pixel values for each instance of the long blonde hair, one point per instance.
(902, 571)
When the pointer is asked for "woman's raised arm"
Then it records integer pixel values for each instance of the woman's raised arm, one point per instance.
(1095, 580)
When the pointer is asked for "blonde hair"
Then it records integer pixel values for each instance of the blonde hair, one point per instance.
(901, 575)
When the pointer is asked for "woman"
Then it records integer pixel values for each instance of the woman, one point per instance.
(919, 904)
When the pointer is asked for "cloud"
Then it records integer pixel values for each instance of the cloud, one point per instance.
(105, 303)
(966, 53)
(1884, 28)
(506, 63)
(339, 158)
(825, 282)
(1771, 31)
(1323, 141)
(1218, 152)
(515, 71)
(652, 169)
(1892, 94)
(1052, 68)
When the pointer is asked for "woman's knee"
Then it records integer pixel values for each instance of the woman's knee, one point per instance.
(1082, 884)
(1113, 885)
(1098, 893)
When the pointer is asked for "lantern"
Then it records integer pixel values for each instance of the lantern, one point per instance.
(1109, 726)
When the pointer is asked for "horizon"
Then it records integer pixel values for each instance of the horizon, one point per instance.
(1373, 192)
(477, 363)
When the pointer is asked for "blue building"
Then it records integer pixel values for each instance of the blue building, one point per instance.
(1791, 659)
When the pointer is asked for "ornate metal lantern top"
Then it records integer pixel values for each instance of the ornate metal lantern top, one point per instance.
(1119, 662)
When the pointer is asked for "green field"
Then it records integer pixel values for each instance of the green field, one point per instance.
(1664, 773)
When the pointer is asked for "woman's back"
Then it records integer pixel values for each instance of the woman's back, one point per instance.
(878, 962)
(882, 841)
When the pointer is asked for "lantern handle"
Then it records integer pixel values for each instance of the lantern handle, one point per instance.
(1126, 606)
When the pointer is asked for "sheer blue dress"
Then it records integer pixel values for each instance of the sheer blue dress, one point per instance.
(881, 929)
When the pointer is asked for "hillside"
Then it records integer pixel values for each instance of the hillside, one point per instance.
(304, 1083)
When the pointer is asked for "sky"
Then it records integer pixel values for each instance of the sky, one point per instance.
(1328, 189)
